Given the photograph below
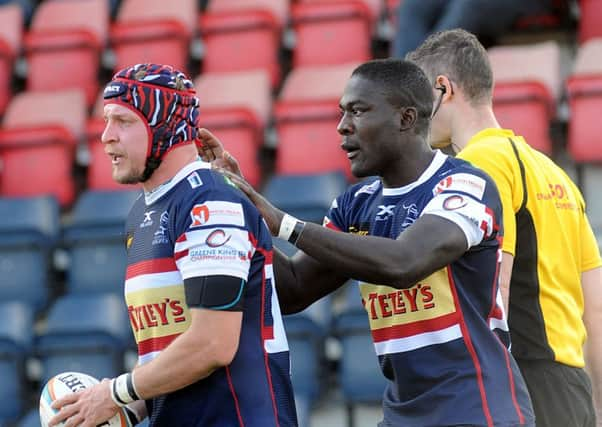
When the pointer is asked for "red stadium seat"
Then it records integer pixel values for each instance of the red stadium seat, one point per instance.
(242, 40)
(64, 44)
(331, 33)
(590, 18)
(527, 86)
(237, 129)
(306, 117)
(153, 31)
(241, 89)
(11, 28)
(278, 8)
(237, 106)
(374, 7)
(585, 102)
(37, 143)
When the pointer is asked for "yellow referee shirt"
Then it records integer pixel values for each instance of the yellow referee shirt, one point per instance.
(547, 231)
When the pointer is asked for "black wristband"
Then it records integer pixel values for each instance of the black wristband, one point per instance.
(297, 230)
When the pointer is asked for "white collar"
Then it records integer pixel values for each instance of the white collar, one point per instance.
(155, 194)
(436, 163)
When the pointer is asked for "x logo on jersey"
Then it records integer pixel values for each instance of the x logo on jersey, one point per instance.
(385, 210)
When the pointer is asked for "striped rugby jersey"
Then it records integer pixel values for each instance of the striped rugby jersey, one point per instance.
(198, 225)
(442, 343)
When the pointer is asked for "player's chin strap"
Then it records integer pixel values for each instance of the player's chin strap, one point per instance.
(151, 165)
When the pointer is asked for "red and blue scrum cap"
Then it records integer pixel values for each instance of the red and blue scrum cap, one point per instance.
(165, 98)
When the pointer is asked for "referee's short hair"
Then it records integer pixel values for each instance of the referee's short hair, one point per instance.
(460, 56)
(404, 85)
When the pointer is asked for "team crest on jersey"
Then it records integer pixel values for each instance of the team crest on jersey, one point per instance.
(160, 235)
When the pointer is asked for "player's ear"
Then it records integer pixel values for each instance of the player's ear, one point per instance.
(407, 118)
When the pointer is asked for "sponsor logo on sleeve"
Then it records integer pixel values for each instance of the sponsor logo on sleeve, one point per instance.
(454, 202)
(464, 182)
(217, 238)
(217, 213)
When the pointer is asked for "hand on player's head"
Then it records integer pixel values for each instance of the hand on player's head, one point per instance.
(212, 150)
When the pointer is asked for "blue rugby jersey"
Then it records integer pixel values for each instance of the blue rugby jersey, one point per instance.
(198, 225)
(442, 343)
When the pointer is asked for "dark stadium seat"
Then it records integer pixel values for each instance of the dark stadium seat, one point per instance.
(64, 44)
(37, 143)
(84, 333)
(320, 28)
(306, 346)
(307, 197)
(236, 106)
(16, 339)
(359, 373)
(28, 233)
(247, 39)
(590, 17)
(306, 116)
(11, 34)
(527, 87)
(154, 31)
(95, 239)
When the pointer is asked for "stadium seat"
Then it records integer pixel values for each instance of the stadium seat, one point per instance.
(16, 339)
(84, 333)
(307, 197)
(584, 89)
(154, 31)
(525, 95)
(321, 26)
(278, 8)
(590, 17)
(236, 106)
(37, 143)
(95, 239)
(306, 116)
(373, 7)
(11, 29)
(359, 372)
(28, 233)
(64, 44)
(246, 39)
(306, 346)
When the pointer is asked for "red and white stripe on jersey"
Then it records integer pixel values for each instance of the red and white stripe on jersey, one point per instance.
(474, 217)
(214, 251)
(275, 342)
(497, 320)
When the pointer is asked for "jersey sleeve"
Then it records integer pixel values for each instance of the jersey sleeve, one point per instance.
(470, 201)
(214, 247)
(498, 161)
(334, 218)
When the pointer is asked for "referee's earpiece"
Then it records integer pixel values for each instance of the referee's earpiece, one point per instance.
(443, 89)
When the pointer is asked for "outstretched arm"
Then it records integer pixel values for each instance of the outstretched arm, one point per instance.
(429, 244)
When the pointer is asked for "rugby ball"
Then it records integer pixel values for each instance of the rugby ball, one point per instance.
(70, 382)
